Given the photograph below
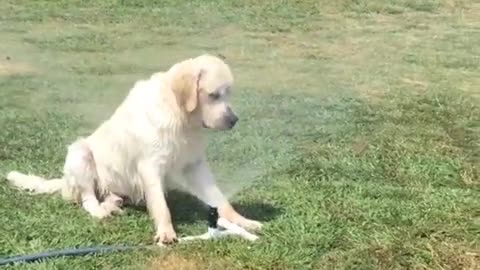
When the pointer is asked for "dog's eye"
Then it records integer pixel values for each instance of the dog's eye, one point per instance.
(214, 95)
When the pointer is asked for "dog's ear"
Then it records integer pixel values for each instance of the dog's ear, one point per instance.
(185, 86)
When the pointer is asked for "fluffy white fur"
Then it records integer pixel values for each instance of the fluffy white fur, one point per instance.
(153, 140)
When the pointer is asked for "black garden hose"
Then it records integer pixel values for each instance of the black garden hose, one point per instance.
(212, 223)
(63, 253)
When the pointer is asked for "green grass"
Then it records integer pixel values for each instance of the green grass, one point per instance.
(358, 144)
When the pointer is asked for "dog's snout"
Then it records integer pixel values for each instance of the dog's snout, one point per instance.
(233, 120)
(230, 118)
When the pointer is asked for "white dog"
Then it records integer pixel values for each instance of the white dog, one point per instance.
(152, 140)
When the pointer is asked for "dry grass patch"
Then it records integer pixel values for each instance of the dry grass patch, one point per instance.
(191, 262)
(9, 67)
(454, 256)
(469, 14)
(470, 86)
(373, 94)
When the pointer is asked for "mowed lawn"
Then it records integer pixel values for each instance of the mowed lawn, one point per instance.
(358, 144)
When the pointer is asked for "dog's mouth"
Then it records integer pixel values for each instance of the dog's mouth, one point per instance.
(204, 125)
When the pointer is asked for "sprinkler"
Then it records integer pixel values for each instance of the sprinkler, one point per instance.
(220, 227)
(217, 228)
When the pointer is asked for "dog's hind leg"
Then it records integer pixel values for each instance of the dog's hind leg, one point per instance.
(80, 174)
(112, 204)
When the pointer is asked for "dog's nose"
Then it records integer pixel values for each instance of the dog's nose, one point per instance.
(233, 120)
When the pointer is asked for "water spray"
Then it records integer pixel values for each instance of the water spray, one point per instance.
(217, 228)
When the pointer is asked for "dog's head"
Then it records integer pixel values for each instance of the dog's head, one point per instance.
(202, 87)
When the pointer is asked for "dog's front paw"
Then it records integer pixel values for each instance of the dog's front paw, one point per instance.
(100, 213)
(111, 208)
(112, 204)
(251, 225)
(165, 236)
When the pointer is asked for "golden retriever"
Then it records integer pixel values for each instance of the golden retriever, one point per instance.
(152, 141)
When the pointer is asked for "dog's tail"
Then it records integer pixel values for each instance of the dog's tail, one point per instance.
(35, 184)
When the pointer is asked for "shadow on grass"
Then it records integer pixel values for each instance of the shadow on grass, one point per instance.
(187, 209)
